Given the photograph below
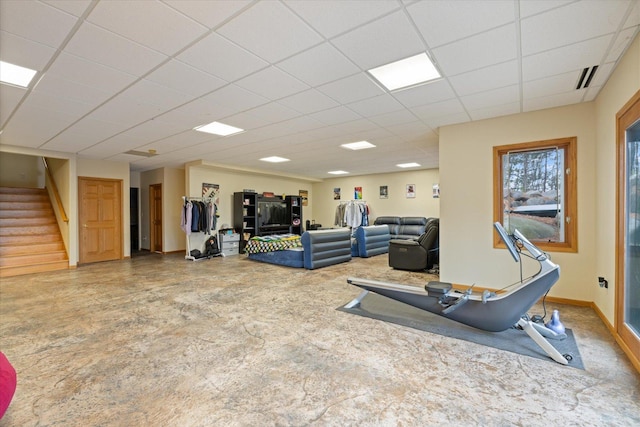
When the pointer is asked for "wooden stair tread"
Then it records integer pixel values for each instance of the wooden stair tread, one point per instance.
(30, 239)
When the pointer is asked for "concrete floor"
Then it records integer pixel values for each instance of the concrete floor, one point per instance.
(161, 341)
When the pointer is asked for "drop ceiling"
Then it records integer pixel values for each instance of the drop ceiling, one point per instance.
(134, 76)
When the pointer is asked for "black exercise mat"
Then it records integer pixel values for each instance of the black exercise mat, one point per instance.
(514, 340)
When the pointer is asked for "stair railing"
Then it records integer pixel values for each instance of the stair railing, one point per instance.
(56, 194)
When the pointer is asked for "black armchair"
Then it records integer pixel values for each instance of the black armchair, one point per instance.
(419, 254)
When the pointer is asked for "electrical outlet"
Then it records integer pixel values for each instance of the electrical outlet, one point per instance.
(603, 282)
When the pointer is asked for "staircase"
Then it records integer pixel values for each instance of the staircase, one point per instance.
(30, 240)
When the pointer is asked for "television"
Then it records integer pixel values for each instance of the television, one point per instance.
(272, 213)
(507, 241)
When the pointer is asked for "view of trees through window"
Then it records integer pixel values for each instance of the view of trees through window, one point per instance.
(533, 188)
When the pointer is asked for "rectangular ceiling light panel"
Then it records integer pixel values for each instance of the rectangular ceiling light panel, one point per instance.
(274, 159)
(218, 128)
(15, 74)
(406, 72)
(338, 172)
(408, 165)
(360, 145)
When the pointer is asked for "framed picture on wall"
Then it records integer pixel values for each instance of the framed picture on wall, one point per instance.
(336, 193)
(304, 195)
(411, 191)
(384, 192)
(357, 193)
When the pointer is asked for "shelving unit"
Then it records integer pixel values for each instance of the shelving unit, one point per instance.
(245, 216)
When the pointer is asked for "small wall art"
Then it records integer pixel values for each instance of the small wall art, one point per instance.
(411, 191)
(336, 193)
(384, 192)
(304, 195)
(436, 191)
(357, 193)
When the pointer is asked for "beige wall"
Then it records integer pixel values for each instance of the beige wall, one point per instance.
(465, 151)
(111, 170)
(60, 170)
(21, 170)
(466, 179)
(172, 192)
(397, 204)
(622, 85)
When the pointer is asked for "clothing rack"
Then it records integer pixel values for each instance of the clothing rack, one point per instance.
(210, 230)
(345, 216)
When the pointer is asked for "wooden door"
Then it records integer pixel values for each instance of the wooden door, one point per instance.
(628, 228)
(155, 216)
(100, 214)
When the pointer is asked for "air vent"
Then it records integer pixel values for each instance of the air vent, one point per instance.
(149, 153)
(586, 76)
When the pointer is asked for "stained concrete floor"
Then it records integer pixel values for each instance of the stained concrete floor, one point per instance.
(161, 341)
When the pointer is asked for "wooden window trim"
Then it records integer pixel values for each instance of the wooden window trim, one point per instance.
(570, 144)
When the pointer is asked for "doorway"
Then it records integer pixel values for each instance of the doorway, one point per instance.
(628, 226)
(134, 212)
(100, 215)
(155, 217)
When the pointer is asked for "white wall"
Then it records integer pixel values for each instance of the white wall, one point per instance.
(466, 179)
(172, 192)
(397, 204)
(622, 85)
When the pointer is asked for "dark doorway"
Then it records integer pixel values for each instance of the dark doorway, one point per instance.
(133, 215)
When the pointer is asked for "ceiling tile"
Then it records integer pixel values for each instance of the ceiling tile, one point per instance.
(290, 36)
(319, 65)
(308, 101)
(480, 51)
(351, 89)
(23, 52)
(185, 78)
(490, 98)
(53, 86)
(435, 91)
(560, 83)
(205, 55)
(124, 111)
(115, 51)
(35, 21)
(393, 118)
(625, 37)
(534, 7)
(150, 23)
(332, 17)
(10, 96)
(74, 7)
(602, 74)
(83, 134)
(180, 140)
(32, 126)
(488, 78)
(570, 24)
(376, 105)
(272, 83)
(211, 12)
(540, 103)
(495, 111)
(442, 22)
(88, 73)
(155, 94)
(438, 109)
(569, 58)
(380, 42)
(335, 115)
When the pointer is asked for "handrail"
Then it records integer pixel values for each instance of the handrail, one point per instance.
(56, 194)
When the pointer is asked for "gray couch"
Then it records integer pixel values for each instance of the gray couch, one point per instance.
(404, 227)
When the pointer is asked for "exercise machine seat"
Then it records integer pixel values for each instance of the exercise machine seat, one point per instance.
(420, 254)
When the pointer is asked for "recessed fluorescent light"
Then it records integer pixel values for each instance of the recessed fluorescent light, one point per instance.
(15, 74)
(408, 165)
(218, 128)
(360, 145)
(338, 172)
(274, 159)
(406, 72)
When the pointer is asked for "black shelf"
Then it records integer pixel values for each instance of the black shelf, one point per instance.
(245, 216)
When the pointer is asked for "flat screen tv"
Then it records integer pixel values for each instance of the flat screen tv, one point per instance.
(272, 213)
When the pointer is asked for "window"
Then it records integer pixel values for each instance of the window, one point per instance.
(535, 191)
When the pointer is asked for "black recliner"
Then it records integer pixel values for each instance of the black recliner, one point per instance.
(419, 254)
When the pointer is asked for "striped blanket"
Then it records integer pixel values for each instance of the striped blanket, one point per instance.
(277, 242)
